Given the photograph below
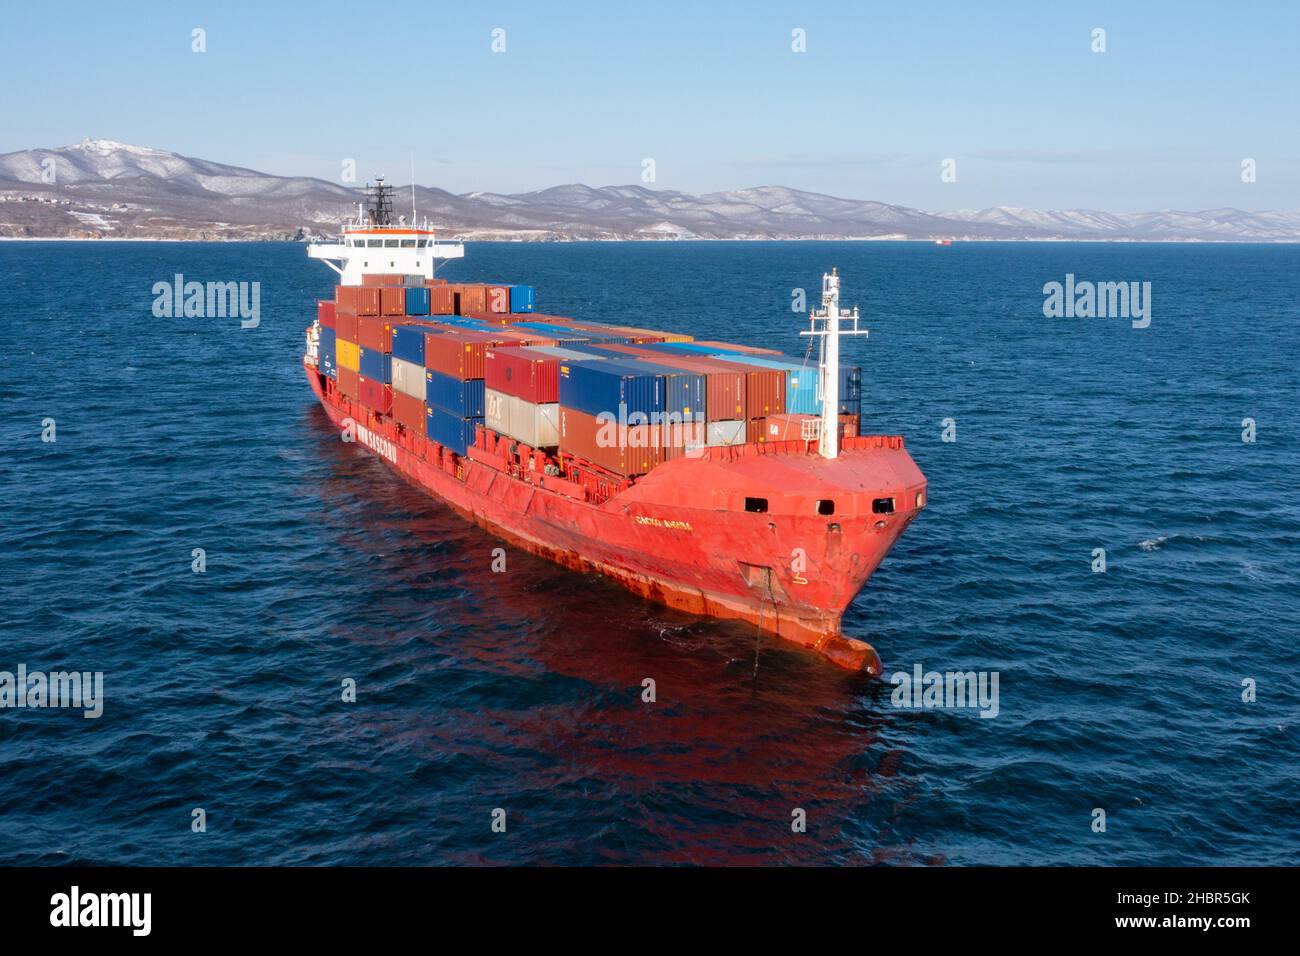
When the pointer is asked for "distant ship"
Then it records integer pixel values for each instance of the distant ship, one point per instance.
(721, 480)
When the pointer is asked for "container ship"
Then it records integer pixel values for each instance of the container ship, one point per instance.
(722, 480)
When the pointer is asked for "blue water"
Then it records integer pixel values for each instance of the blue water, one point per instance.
(1119, 690)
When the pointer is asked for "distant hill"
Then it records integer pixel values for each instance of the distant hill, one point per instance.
(103, 188)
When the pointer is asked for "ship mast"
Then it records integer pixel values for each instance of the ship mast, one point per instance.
(380, 212)
(825, 323)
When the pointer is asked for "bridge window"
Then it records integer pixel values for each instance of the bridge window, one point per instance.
(375, 243)
(756, 505)
(408, 243)
(421, 243)
(390, 243)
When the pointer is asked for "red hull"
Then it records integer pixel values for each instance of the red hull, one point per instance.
(681, 535)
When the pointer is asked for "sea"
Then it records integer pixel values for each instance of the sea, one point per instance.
(307, 661)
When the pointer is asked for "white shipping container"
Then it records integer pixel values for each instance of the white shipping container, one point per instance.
(725, 433)
(534, 425)
(408, 378)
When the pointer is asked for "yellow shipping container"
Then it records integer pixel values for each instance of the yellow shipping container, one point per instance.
(677, 337)
(348, 355)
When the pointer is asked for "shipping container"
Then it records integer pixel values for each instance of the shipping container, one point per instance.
(408, 343)
(764, 387)
(375, 395)
(684, 391)
(682, 438)
(408, 378)
(346, 325)
(595, 386)
(800, 383)
(348, 355)
(522, 298)
(325, 359)
(325, 313)
(417, 300)
(359, 300)
(392, 300)
(535, 424)
(449, 430)
(442, 300)
(470, 298)
(793, 427)
(624, 451)
(377, 279)
(725, 433)
(375, 332)
(497, 299)
(347, 382)
(409, 411)
(458, 354)
(562, 352)
(724, 385)
(375, 364)
(464, 397)
(524, 373)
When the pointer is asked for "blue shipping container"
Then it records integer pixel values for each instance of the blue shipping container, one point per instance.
(417, 300)
(684, 392)
(376, 366)
(325, 353)
(522, 299)
(450, 430)
(596, 386)
(463, 398)
(408, 343)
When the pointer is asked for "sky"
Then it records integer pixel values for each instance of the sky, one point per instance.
(1012, 92)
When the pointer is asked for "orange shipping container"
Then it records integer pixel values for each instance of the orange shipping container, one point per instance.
(470, 298)
(375, 332)
(392, 300)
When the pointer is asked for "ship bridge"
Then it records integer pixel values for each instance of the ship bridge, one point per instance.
(374, 245)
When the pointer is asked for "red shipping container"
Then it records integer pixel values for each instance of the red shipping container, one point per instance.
(442, 300)
(498, 299)
(346, 325)
(523, 373)
(764, 388)
(793, 427)
(501, 320)
(470, 298)
(433, 282)
(750, 349)
(348, 382)
(373, 279)
(358, 300)
(458, 354)
(756, 431)
(325, 313)
(409, 412)
(375, 332)
(375, 395)
(392, 300)
(633, 452)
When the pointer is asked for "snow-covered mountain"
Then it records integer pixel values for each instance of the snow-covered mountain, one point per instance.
(100, 187)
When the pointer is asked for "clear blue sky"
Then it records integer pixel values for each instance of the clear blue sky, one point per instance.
(710, 90)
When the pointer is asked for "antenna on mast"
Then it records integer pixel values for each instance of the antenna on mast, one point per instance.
(413, 219)
(829, 316)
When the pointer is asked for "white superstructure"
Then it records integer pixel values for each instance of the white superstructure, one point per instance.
(373, 245)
